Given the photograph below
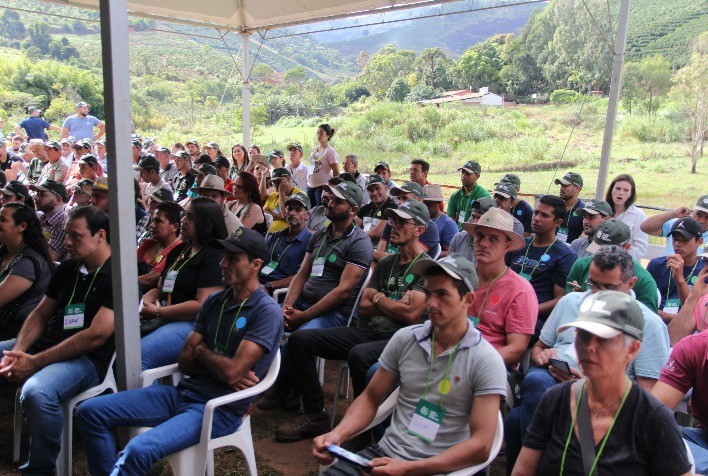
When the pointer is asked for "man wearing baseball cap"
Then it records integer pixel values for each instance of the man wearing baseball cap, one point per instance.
(382, 311)
(458, 207)
(521, 210)
(660, 225)
(318, 220)
(213, 150)
(212, 186)
(276, 158)
(287, 248)
(594, 213)
(51, 199)
(383, 170)
(611, 270)
(675, 273)
(186, 179)
(35, 126)
(613, 232)
(55, 169)
(371, 216)
(275, 203)
(192, 146)
(99, 194)
(463, 243)
(572, 226)
(168, 170)
(447, 228)
(235, 338)
(149, 168)
(16, 191)
(296, 167)
(431, 398)
(81, 125)
(81, 194)
(38, 163)
(505, 197)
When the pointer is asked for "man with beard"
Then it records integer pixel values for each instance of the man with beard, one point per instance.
(81, 124)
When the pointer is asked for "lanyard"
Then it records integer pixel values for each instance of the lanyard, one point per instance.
(388, 283)
(283, 252)
(671, 278)
(372, 215)
(537, 262)
(90, 285)
(489, 288)
(607, 435)
(189, 248)
(218, 324)
(430, 369)
(317, 255)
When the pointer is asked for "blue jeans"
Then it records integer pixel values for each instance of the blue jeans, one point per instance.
(163, 346)
(534, 385)
(697, 440)
(315, 195)
(175, 415)
(325, 321)
(41, 397)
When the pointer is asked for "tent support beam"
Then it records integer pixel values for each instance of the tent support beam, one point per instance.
(246, 89)
(116, 81)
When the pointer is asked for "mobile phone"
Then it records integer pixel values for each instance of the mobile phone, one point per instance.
(561, 365)
(348, 456)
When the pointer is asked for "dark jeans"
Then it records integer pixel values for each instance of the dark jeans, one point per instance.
(315, 195)
(361, 348)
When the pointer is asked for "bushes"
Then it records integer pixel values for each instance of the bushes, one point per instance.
(652, 129)
(565, 96)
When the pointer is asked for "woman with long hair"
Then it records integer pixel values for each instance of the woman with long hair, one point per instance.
(239, 160)
(165, 228)
(324, 162)
(190, 274)
(25, 266)
(621, 195)
(248, 205)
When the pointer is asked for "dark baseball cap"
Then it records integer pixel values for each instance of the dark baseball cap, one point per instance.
(471, 166)
(571, 178)
(163, 149)
(300, 197)
(85, 186)
(455, 265)
(32, 109)
(702, 204)
(608, 314)
(138, 143)
(206, 169)
(276, 153)
(596, 207)
(408, 187)
(611, 232)
(506, 190)
(182, 154)
(295, 146)
(162, 195)
(194, 142)
(81, 104)
(88, 159)
(15, 188)
(513, 178)
(410, 210)
(212, 145)
(382, 164)
(52, 145)
(148, 161)
(243, 240)
(222, 161)
(84, 144)
(482, 205)
(374, 179)
(348, 177)
(279, 173)
(687, 227)
(348, 191)
(52, 186)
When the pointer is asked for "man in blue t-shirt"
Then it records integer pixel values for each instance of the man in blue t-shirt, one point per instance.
(545, 260)
(447, 228)
(660, 225)
(34, 126)
(235, 339)
(572, 225)
(675, 274)
(81, 125)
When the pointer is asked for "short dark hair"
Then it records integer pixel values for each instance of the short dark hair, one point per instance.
(459, 284)
(621, 178)
(96, 219)
(203, 159)
(208, 220)
(335, 180)
(423, 164)
(557, 203)
(329, 130)
(173, 213)
(609, 257)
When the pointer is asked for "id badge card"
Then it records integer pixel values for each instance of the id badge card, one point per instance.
(169, 284)
(562, 234)
(526, 276)
(318, 267)
(391, 249)
(74, 316)
(462, 218)
(368, 223)
(426, 420)
(269, 268)
(671, 306)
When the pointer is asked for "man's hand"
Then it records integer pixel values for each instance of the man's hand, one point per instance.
(542, 358)
(681, 212)
(21, 369)
(293, 317)
(675, 263)
(283, 189)
(320, 444)
(389, 466)
(6, 361)
(561, 376)
(148, 311)
(249, 380)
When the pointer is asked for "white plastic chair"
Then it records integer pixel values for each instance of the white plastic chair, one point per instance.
(690, 458)
(64, 460)
(389, 404)
(435, 252)
(199, 458)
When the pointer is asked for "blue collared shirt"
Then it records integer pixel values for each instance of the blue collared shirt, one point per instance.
(287, 252)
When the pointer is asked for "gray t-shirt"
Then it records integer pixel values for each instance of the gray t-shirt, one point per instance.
(25, 268)
(462, 243)
(318, 219)
(476, 369)
(579, 246)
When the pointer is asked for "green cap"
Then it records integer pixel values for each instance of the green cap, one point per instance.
(471, 166)
(279, 173)
(410, 210)
(513, 178)
(506, 190)
(407, 187)
(571, 178)
(455, 265)
(52, 186)
(374, 179)
(300, 197)
(611, 232)
(148, 161)
(702, 204)
(482, 205)
(382, 164)
(607, 314)
(595, 207)
(348, 191)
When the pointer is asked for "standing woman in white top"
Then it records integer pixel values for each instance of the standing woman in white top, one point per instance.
(324, 163)
(621, 196)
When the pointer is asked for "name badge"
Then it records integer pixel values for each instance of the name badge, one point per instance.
(269, 268)
(318, 267)
(391, 249)
(671, 306)
(526, 276)
(426, 420)
(169, 284)
(74, 316)
(462, 218)
(562, 234)
(369, 223)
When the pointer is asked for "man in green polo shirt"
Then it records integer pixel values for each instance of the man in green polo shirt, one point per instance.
(458, 208)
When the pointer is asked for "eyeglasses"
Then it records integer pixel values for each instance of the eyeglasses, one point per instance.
(602, 286)
(399, 222)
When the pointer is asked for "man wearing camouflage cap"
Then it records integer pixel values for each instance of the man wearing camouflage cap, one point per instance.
(51, 199)
(594, 213)
(458, 207)
(505, 196)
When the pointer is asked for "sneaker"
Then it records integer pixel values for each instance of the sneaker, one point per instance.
(273, 399)
(306, 425)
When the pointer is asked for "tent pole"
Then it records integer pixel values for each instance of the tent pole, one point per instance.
(615, 87)
(246, 89)
(116, 84)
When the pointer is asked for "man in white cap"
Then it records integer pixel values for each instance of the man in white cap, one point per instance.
(212, 186)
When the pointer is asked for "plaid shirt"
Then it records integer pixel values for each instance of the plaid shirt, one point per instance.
(53, 230)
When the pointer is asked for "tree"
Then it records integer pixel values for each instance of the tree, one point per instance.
(39, 37)
(12, 26)
(480, 66)
(386, 65)
(654, 82)
(691, 95)
(431, 67)
(398, 91)
(630, 85)
(362, 59)
(421, 92)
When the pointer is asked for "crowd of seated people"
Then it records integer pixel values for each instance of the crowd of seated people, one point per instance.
(480, 303)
